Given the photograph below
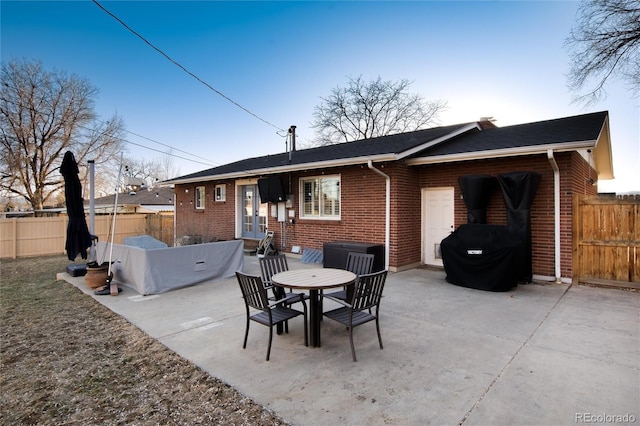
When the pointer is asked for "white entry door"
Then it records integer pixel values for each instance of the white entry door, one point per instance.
(437, 222)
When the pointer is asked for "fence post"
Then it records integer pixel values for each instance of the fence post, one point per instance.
(14, 243)
(576, 237)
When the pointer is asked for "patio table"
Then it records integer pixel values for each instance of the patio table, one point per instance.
(314, 280)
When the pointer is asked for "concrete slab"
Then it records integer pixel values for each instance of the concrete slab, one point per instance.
(541, 354)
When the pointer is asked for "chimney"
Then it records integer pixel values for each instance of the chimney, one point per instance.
(487, 123)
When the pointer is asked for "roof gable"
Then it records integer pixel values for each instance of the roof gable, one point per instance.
(581, 128)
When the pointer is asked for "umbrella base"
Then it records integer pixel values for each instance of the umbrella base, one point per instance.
(77, 269)
(105, 290)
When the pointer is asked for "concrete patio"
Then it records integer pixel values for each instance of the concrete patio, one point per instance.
(541, 354)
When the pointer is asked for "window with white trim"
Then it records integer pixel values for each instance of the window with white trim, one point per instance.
(220, 192)
(320, 197)
(199, 197)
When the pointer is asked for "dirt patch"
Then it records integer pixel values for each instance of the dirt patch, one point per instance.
(66, 359)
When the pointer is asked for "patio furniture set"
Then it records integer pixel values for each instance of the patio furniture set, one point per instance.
(359, 296)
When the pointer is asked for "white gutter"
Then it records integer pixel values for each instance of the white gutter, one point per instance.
(500, 153)
(556, 213)
(284, 169)
(387, 213)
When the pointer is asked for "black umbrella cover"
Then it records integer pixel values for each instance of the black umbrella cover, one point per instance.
(519, 190)
(476, 192)
(78, 236)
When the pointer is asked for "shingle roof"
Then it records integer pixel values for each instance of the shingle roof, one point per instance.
(392, 144)
(451, 140)
(142, 197)
(578, 128)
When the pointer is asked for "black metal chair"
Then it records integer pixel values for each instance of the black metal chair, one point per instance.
(271, 313)
(357, 311)
(359, 264)
(271, 265)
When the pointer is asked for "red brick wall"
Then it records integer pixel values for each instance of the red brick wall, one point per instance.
(406, 215)
(361, 217)
(573, 170)
(363, 213)
(363, 207)
(215, 222)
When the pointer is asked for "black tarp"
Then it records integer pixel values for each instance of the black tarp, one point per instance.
(271, 189)
(519, 190)
(476, 192)
(78, 236)
(480, 256)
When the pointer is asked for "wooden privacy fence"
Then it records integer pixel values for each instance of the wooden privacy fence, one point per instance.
(606, 238)
(39, 236)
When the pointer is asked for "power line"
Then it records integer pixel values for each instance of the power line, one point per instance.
(166, 153)
(149, 148)
(207, 163)
(185, 69)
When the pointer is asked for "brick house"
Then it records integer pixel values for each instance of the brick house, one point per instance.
(402, 190)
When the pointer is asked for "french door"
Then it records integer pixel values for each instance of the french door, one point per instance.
(254, 214)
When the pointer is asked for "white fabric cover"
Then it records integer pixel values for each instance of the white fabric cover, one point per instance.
(144, 241)
(156, 271)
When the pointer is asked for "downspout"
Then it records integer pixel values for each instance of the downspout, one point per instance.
(175, 218)
(556, 213)
(387, 213)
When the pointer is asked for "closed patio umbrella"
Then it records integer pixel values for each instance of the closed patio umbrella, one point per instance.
(78, 236)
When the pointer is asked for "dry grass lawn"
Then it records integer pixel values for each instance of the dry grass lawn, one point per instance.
(66, 359)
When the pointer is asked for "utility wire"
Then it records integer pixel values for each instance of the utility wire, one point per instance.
(166, 153)
(149, 148)
(207, 163)
(183, 68)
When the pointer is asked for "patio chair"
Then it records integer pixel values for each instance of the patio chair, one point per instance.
(255, 296)
(359, 264)
(357, 311)
(271, 265)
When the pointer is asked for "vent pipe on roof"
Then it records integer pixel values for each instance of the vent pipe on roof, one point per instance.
(292, 132)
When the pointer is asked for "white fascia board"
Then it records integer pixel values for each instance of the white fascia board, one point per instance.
(290, 168)
(429, 144)
(602, 152)
(501, 153)
(155, 208)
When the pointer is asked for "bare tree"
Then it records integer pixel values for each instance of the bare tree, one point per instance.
(605, 42)
(168, 169)
(150, 171)
(364, 110)
(43, 114)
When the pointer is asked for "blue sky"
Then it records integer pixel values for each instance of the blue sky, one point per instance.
(277, 59)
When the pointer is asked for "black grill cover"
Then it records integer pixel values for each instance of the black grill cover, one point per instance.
(481, 256)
